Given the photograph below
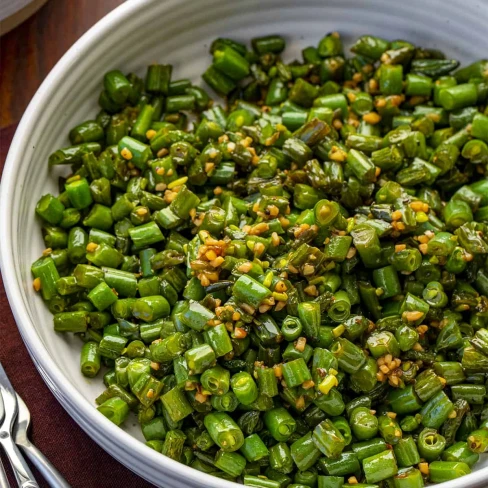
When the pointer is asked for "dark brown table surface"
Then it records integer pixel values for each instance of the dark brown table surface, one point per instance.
(27, 54)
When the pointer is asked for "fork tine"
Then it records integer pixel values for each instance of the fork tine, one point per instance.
(47, 470)
(9, 400)
(22, 423)
(22, 472)
(3, 477)
(2, 410)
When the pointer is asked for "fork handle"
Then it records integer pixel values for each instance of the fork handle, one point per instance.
(42, 463)
(22, 472)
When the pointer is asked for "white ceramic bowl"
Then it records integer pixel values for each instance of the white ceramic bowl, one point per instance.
(179, 32)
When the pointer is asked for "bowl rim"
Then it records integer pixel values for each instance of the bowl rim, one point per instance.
(110, 437)
(114, 440)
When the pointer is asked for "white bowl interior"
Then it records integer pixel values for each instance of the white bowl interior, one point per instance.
(136, 34)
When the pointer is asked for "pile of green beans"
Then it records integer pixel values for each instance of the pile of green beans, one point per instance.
(290, 290)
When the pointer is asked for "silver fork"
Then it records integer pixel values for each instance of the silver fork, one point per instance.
(22, 472)
(48, 471)
(3, 475)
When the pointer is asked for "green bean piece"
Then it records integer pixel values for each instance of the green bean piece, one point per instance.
(349, 356)
(71, 321)
(368, 448)
(46, 277)
(280, 423)
(430, 444)
(230, 462)
(260, 482)
(363, 423)
(478, 441)
(370, 46)
(304, 452)
(436, 411)
(176, 404)
(115, 409)
(380, 466)
(309, 314)
(408, 478)
(117, 86)
(244, 388)
(112, 345)
(102, 296)
(225, 403)
(50, 209)
(296, 372)
(346, 463)
(460, 452)
(267, 382)
(154, 429)
(389, 429)
(90, 359)
(404, 400)
(78, 191)
(254, 448)
(427, 384)
(440, 471)
(249, 291)
(328, 439)
(89, 131)
(199, 358)
(173, 444)
(280, 458)
(458, 96)
(219, 340)
(224, 431)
